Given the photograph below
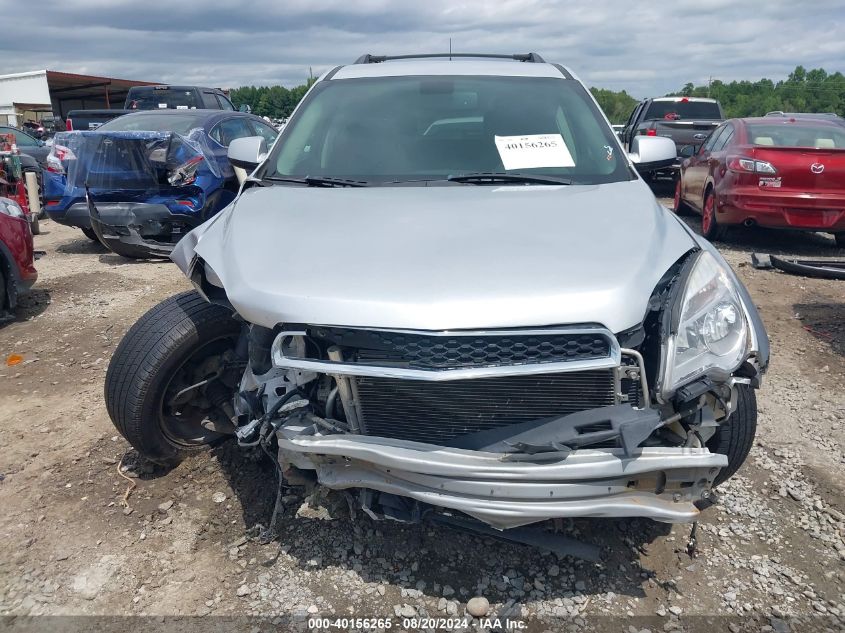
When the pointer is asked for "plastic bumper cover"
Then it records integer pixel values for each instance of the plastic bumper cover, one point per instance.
(135, 229)
(783, 209)
(76, 215)
(661, 483)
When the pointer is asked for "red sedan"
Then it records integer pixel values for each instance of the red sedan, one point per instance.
(17, 272)
(772, 172)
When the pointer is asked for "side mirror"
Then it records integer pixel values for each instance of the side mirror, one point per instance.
(649, 153)
(245, 107)
(247, 152)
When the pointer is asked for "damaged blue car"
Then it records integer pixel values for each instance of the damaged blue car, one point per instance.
(139, 183)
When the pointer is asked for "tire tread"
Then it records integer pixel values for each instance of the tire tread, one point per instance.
(144, 351)
(735, 437)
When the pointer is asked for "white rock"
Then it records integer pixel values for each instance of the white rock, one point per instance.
(478, 607)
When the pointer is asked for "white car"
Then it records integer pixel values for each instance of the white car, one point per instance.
(446, 290)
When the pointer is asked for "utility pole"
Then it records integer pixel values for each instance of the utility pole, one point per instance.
(709, 81)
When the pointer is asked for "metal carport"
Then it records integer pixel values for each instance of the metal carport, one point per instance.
(30, 95)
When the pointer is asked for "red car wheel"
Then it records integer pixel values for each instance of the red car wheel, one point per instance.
(710, 228)
(679, 206)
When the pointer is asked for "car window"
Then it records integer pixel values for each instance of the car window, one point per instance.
(228, 130)
(153, 98)
(724, 138)
(417, 128)
(712, 139)
(634, 114)
(803, 133)
(268, 133)
(21, 139)
(683, 110)
(224, 103)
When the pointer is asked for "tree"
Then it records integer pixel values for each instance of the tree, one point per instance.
(802, 91)
(616, 105)
(276, 102)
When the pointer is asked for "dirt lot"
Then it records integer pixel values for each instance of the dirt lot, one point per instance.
(771, 550)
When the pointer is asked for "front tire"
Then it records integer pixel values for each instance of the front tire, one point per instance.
(34, 224)
(178, 343)
(735, 436)
(840, 239)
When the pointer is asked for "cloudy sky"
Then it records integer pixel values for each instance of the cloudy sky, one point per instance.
(645, 47)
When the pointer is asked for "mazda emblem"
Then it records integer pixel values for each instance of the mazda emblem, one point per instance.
(817, 168)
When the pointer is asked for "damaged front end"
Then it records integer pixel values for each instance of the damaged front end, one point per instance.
(143, 190)
(510, 427)
(507, 425)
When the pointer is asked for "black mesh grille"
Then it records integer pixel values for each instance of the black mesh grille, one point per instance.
(435, 412)
(421, 351)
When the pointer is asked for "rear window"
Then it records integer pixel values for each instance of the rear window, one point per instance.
(179, 123)
(796, 135)
(161, 99)
(683, 110)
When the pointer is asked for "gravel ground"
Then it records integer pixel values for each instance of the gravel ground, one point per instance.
(771, 550)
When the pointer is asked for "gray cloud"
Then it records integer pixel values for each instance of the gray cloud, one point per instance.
(645, 48)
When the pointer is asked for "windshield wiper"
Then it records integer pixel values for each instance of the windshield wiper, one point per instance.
(481, 178)
(319, 181)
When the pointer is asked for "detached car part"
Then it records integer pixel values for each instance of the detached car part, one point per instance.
(819, 268)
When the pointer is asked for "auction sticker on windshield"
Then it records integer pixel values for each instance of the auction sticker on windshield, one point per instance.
(533, 150)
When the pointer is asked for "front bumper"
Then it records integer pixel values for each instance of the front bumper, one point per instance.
(138, 229)
(660, 483)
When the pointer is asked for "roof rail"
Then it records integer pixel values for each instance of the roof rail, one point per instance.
(520, 57)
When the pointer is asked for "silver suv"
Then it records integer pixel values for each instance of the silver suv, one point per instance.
(446, 290)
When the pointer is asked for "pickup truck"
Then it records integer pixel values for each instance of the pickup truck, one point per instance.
(686, 120)
(152, 98)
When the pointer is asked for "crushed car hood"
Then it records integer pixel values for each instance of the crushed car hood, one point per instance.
(438, 258)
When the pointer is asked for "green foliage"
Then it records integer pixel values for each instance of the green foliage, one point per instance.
(276, 102)
(616, 105)
(803, 91)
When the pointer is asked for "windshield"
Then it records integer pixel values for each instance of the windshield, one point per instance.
(161, 98)
(422, 128)
(797, 135)
(683, 110)
(179, 123)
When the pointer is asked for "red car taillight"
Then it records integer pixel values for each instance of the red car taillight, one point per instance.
(651, 132)
(69, 125)
(747, 165)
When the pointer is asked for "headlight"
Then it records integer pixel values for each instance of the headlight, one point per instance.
(709, 329)
(11, 208)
